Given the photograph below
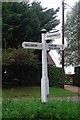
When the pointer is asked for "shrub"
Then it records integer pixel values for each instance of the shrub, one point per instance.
(19, 56)
(35, 110)
(22, 66)
(30, 75)
(56, 76)
(21, 74)
(76, 80)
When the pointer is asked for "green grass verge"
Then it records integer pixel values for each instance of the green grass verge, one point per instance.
(22, 109)
(34, 92)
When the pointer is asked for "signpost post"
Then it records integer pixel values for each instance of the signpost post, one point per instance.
(44, 80)
(44, 47)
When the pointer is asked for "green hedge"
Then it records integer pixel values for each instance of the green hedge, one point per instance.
(56, 76)
(76, 80)
(30, 75)
(34, 110)
(21, 74)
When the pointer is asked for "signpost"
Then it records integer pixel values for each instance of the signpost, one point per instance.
(32, 45)
(44, 47)
(54, 46)
(52, 36)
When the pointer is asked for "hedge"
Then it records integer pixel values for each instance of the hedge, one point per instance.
(56, 76)
(35, 110)
(30, 75)
(76, 80)
(21, 74)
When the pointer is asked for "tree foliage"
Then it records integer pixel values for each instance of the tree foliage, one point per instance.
(72, 33)
(23, 22)
(19, 56)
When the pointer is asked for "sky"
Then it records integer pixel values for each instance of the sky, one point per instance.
(50, 3)
(55, 4)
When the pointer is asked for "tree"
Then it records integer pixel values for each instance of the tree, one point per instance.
(72, 33)
(19, 56)
(47, 17)
(18, 64)
(23, 22)
(11, 23)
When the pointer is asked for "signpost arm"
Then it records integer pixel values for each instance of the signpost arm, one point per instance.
(44, 80)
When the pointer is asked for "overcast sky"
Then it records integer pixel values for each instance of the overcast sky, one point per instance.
(55, 3)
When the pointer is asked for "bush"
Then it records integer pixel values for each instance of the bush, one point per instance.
(21, 74)
(31, 75)
(22, 66)
(35, 110)
(19, 56)
(76, 80)
(56, 76)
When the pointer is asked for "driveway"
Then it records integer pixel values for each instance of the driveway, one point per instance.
(72, 88)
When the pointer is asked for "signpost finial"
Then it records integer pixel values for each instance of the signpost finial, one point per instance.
(43, 30)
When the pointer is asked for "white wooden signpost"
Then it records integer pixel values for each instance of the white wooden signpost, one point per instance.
(54, 46)
(52, 35)
(32, 45)
(44, 47)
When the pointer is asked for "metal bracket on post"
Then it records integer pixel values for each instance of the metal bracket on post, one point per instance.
(44, 80)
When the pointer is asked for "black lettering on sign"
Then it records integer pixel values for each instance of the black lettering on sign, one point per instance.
(53, 35)
(50, 36)
(54, 46)
(30, 45)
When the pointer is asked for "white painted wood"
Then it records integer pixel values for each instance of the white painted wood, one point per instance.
(52, 36)
(32, 45)
(44, 47)
(44, 80)
(51, 46)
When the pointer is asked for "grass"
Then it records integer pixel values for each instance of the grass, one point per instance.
(59, 92)
(35, 110)
(32, 109)
(34, 92)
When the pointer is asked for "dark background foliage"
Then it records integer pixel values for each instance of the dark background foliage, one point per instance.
(24, 22)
